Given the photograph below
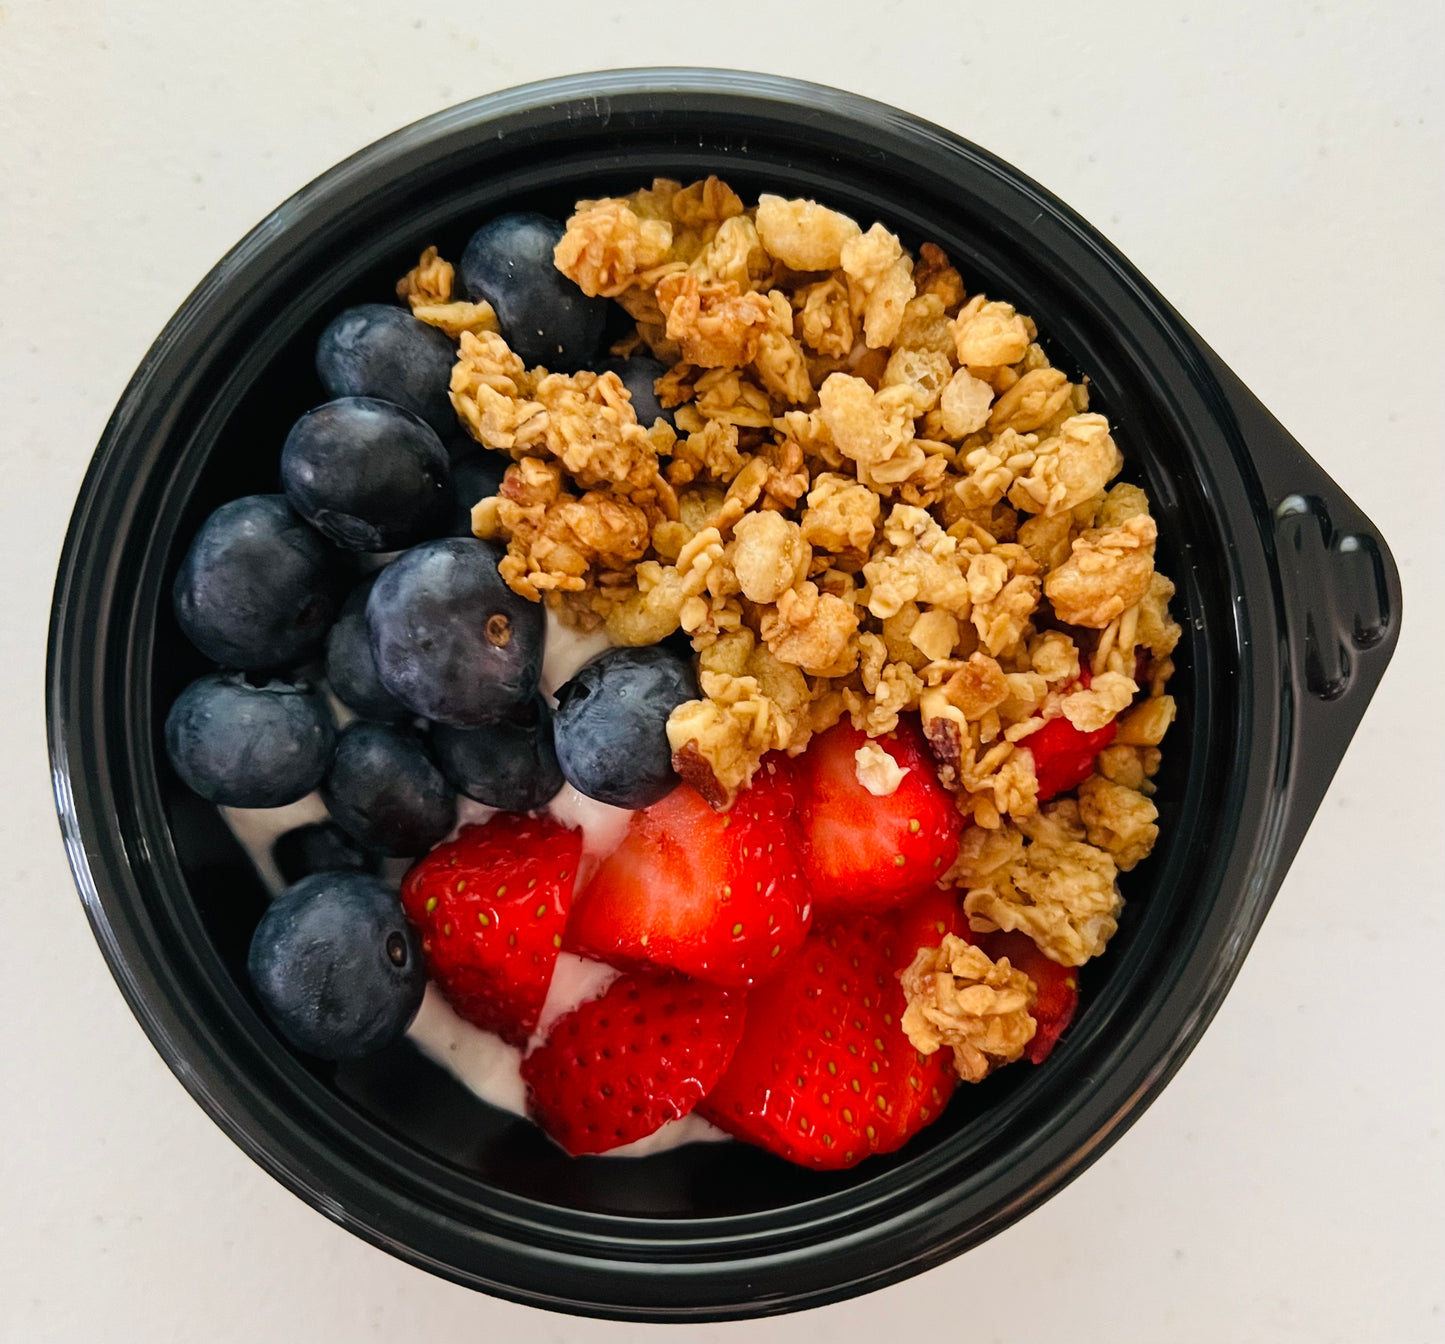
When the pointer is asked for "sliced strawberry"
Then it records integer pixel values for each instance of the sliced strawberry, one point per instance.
(1063, 756)
(1058, 987)
(490, 907)
(644, 1053)
(824, 1075)
(925, 919)
(862, 853)
(718, 896)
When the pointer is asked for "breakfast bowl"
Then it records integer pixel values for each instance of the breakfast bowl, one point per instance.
(1288, 599)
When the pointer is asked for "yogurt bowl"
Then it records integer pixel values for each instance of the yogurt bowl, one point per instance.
(1288, 598)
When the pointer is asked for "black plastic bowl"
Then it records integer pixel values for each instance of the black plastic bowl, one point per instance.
(1288, 598)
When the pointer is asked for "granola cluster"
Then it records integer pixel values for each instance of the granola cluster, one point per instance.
(879, 497)
(958, 997)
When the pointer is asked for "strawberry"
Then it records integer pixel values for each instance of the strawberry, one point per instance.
(490, 907)
(862, 853)
(1058, 987)
(644, 1053)
(1063, 756)
(924, 921)
(824, 1075)
(718, 896)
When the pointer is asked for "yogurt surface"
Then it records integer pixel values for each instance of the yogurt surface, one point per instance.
(482, 1062)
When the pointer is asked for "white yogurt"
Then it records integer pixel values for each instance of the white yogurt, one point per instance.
(566, 650)
(482, 1062)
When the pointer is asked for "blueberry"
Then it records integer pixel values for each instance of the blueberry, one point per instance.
(378, 350)
(368, 475)
(351, 669)
(544, 316)
(475, 475)
(384, 790)
(320, 847)
(452, 642)
(258, 588)
(638, 375)
(511, 764)
(336, 966)
(611, 724)
(249, 746)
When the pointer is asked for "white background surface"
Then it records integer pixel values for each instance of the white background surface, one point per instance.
(1276, 169)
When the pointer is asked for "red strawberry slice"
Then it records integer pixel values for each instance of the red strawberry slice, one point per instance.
(862, 853)
(824, 1075)
(1063, 756)
(924, 921)
(718, 896)
(490, 907)
(644, 1053)
(1058, 987)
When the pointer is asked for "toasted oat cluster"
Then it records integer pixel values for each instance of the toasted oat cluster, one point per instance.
(960, 998)
(878, 497)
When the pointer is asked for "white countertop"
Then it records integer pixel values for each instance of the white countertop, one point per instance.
(1275, 169)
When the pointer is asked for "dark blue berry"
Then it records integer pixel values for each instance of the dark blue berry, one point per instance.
(475, 475)
(320, 847)
(545, 318)
(378, 350)
(368, 475)
(611, 724)
(351, 669)
(336, 966)
(258, 588)
(249, 746)
(385, 790)
(638, 375)
(511, 764)
(451, 641)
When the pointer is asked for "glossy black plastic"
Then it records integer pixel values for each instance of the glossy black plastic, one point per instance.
(1288, 596)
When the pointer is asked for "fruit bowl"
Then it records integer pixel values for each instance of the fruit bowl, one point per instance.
(1288, 597)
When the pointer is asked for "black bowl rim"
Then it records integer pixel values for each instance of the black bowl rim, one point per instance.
(715, 1269)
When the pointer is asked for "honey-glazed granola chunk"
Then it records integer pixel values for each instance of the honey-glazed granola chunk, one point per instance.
(715, 325)
(965, 405)
(1109, 570)
(1031, 402)
(1069, 468)
(958, 998)
(803, 234)
(1003, 590)
(812, 630)
(1146, 724)
(989, 334)
(555, 539)
(768, 555)
(841, 518)
(880, 283)
(719, 742)
(934, 276)
(924, 373)
(607, 247)
(427, 289)
(873, 429)
(916, 561)
(1090, 708)
(1055, 886)
(781, 364)
(825, 317)
(1118, 819)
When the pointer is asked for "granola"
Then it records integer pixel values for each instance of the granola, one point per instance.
(958, 997)
(902, 470)
(879, 497)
